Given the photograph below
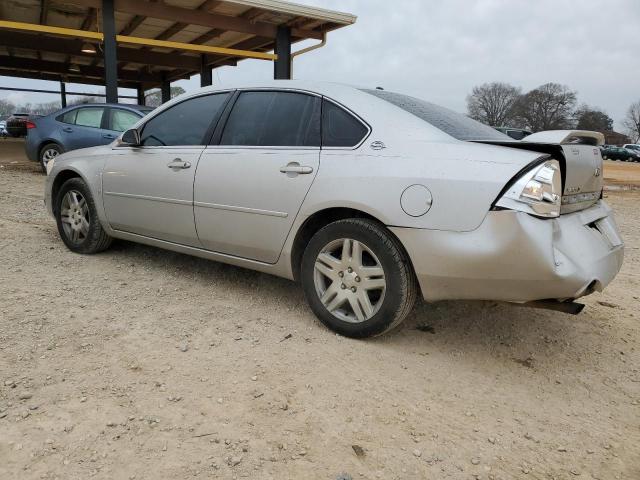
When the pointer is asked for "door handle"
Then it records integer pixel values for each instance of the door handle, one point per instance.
(178, 163)
(296, 168)
(67, 129)
(108, 135)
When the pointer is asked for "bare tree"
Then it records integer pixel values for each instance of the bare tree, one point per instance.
(6, 109)
(492, 103)
(632, 121)
(154, 98)
(547, 107)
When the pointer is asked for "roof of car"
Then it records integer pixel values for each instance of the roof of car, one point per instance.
(132, 106)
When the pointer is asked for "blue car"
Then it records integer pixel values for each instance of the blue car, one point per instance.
(79, 126)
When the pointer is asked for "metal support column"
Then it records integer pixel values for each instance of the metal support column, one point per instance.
(110, 57)
(205, 72)
(140, 94)
(63, 94)
(282, 66)
(165, 90)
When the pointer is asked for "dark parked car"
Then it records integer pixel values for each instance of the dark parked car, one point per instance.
(17, 124)
(79, 126)
(515, 133)
(611, 152)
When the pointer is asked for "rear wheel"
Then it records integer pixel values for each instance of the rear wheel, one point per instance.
(357, 279)
(48, 153)
(77, 219)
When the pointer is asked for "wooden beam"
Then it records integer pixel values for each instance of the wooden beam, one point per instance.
(30, 27)
(177, 27)
(55, 77)
(197, 17)
(65, 46)
(44, 10)
(134, 23)
(253, 43)
(43, 66)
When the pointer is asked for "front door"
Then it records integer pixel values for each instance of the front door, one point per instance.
(148, 190)
(249, 187)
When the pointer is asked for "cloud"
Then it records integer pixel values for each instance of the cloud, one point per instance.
(438, 50)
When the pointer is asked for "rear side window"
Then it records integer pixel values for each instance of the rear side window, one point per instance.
(339, 127)
(186, 123)
(68, 117)
(89, 117)
(275, 119)
(122, 120)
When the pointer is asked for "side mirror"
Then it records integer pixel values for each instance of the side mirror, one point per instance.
(130, 138)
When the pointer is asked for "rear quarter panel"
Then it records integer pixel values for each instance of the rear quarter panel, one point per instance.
(464, 179)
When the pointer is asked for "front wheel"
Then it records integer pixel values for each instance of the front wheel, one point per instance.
(77, 219)
(357, 278)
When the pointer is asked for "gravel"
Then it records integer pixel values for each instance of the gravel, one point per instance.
(93, 340)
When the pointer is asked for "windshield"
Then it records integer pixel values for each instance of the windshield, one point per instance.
(455, 124)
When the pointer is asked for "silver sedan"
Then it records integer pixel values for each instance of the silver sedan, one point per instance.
(367, 197)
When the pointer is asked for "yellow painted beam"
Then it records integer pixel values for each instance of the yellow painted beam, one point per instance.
(195, 48)
(149, 42)
(34, 27)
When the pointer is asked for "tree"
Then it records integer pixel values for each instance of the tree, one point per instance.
(548, 107)
(588, 118)
(6, 108)
(632, 121)
(492, 103)
(82, 100)
(154, 98)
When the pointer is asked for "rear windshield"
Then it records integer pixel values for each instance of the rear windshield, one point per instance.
(455, 124)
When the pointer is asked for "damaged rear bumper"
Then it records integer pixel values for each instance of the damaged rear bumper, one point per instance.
(515, 257)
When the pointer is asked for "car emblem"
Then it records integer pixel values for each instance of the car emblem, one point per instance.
(596, 173)
(377, 145)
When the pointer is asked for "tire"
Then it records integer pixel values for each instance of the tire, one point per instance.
(48, 153)
(77, 221)
(331, 279)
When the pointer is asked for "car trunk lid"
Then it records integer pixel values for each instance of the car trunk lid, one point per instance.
(581, 162)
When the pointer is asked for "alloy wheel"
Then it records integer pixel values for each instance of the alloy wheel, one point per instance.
(74, 214)
(48, 155)
(349, 280)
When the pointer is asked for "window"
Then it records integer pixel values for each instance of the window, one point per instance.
(68, 117)
(186, 123)
(455, 124)
(122, 120)
(274, 119)
(339, 127)
(89, 117)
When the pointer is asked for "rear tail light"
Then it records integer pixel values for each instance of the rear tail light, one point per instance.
(537, 192)
(29, 124)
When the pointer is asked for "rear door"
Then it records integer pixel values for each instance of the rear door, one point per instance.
(148, 190)
(80, 128)
(251, 184)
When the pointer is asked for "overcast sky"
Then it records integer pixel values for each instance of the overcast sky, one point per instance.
(438, 50)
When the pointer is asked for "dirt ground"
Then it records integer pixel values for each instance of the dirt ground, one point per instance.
(144, 364)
